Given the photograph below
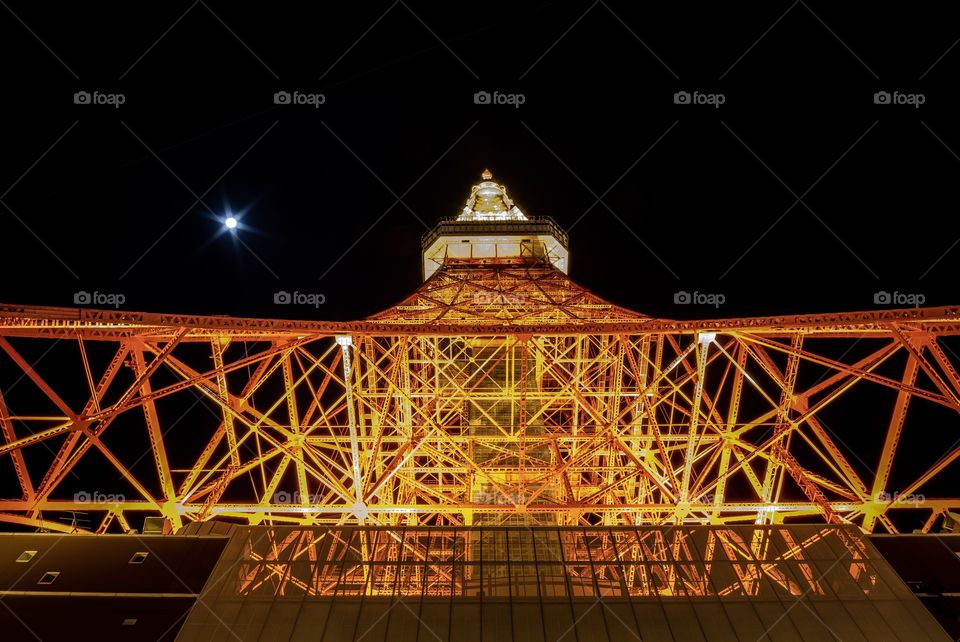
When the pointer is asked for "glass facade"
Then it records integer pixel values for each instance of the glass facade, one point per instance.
(550, 583)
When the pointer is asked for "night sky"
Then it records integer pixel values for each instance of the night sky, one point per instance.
(797, 194)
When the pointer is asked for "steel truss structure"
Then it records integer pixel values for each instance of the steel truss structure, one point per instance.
(499, 392)
(494, 392)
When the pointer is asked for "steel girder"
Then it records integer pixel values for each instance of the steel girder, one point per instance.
(493, 393)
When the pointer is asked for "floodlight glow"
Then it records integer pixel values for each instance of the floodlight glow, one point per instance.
(231, 223)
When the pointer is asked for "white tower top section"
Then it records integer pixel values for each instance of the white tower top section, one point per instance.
(488, 201)
(492, 230)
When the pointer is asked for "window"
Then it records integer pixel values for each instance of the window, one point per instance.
(130, 621)
(26, 556)
(139, 557)
(48, 577)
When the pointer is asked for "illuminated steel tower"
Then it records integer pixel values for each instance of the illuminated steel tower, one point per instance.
(499, 391)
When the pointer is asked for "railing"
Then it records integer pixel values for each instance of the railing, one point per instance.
(533, 226)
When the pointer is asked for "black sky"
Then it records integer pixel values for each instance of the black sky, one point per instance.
(705, 199)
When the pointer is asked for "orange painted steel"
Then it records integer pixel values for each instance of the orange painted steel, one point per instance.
(631, 420)
(498, 392)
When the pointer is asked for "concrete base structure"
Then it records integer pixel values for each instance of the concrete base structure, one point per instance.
(800, 582)
(217, 581)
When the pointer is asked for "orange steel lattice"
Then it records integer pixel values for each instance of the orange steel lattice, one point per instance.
(498, 392)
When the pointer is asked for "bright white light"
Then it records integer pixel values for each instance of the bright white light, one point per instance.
(360, 510)
(231, 223)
